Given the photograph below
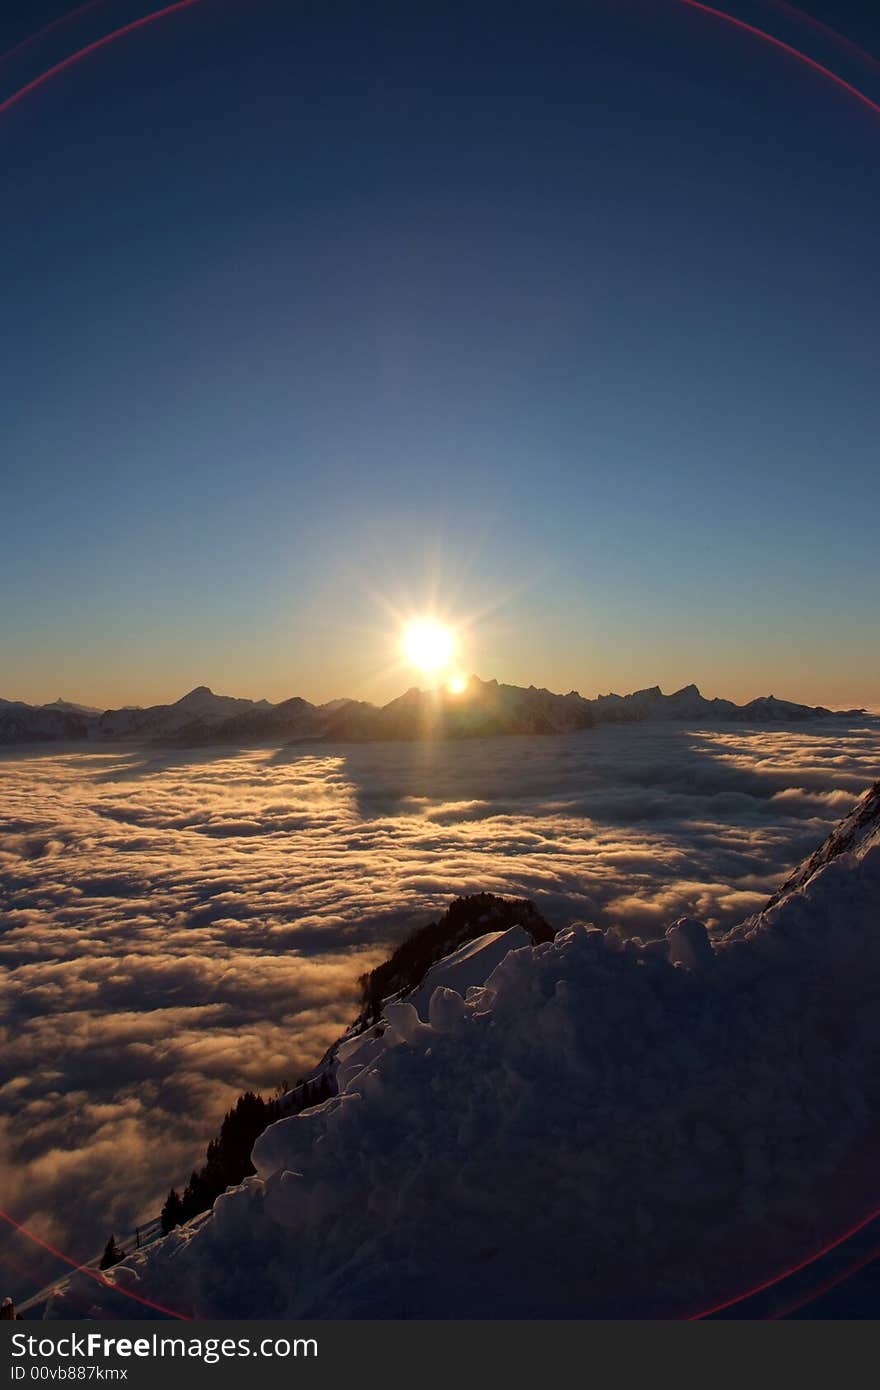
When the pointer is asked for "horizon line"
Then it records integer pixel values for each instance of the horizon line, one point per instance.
(442, 686)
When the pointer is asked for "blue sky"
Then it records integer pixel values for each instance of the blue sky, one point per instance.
(558, 318)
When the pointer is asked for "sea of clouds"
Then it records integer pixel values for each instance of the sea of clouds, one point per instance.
(178, 926)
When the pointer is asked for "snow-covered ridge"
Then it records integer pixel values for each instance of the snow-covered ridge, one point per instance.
(856, 834)
(482, 708)
(586, 1126)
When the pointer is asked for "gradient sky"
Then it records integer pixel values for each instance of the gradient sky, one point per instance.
(560, 318)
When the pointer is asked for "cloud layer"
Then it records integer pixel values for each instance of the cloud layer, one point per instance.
(177, 927)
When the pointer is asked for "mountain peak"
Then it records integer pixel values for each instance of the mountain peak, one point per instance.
(197, 693)
(476, 708)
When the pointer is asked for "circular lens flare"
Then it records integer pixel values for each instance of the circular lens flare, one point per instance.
(428, 645)
(457, 684)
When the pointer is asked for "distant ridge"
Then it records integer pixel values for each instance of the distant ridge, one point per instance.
(481, 709)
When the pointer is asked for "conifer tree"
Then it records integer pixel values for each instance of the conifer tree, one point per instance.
(112, 1254)
(172, 1212)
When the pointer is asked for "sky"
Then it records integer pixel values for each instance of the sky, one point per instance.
(557, 320)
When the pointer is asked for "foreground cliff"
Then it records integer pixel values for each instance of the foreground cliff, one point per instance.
(579, 1127)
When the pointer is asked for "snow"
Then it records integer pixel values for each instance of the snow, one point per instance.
(580, 1128)
(689, 944)
(471, 965)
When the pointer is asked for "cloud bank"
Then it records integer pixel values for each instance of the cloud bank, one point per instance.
(177, 927)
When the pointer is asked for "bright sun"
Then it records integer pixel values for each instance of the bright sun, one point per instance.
(427, 644)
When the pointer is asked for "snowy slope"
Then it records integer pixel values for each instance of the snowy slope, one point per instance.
(856, 834)
(199, 711)
(583, 1127)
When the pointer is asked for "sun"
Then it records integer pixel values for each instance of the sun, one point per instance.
(427, 644)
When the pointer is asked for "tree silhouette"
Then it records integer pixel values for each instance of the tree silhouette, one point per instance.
(112, 1254)
(172, 1212)
(228, 1157)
